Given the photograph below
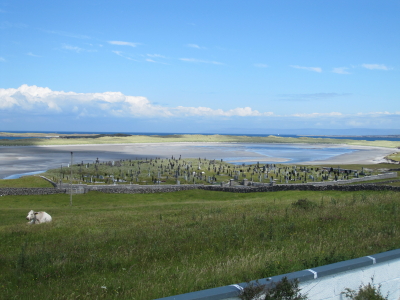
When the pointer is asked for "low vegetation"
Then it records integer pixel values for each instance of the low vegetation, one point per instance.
(281, 290)
(365, 292)
(289, 290)
(147, 246)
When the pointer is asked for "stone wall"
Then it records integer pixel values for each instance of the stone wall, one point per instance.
(30, 191)
(144, 189)
(309, 187)
(150, 189)
(361, 179)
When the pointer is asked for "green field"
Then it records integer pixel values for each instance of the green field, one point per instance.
(143, 246)
(25, 182)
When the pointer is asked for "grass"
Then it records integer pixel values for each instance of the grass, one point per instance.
(394, 156)
(193, 138)
(146, 246)
(25, 182)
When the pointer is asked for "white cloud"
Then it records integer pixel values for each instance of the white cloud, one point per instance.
(122, 54)
(52, 105)
(2, 59)
(206, 111)
(195, 46)
(341, 70)
(194, 60)
(313, 115)
(38, 100)
(261, 65)
(314, 69)
(75, 48)
(378, 114)
(72, 48)
(156, 55)
(376, 67)
(122, 43)
(31, 54)
(156, 62)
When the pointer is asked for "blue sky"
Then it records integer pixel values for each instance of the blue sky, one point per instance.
(199, 66)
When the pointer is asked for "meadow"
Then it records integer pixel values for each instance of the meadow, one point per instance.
(143, 246)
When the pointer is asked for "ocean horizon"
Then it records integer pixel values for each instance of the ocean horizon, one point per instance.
(353, 137)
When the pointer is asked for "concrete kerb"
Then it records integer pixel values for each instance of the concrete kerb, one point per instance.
(52, 182)
(232, 291)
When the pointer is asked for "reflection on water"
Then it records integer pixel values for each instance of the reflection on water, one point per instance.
(40, 158)
(15, 176)
(291, 153)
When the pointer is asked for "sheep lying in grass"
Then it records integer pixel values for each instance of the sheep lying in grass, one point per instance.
(38, 217)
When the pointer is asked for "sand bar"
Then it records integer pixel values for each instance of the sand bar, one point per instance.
(23, 159)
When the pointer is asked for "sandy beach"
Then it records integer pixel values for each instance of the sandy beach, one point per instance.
(361, 155)
(17, 160)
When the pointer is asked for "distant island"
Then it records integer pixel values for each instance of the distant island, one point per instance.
(388, 136)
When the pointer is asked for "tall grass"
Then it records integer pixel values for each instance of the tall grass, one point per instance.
(148, 246)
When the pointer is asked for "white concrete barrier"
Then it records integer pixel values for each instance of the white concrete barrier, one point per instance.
(325, 282)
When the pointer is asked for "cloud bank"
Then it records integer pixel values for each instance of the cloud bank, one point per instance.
(33, 105)
(39, 100)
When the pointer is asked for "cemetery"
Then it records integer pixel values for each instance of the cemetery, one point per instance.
(177, 170)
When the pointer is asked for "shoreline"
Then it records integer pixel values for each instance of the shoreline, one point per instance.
(24, 159)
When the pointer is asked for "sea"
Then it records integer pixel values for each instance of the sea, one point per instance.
(355, 137)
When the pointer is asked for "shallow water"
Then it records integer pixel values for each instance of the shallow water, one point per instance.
(17, 161)
(292, 153)
(15, 176)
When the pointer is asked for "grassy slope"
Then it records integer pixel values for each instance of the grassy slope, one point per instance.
(150, 246)
(25, 182)
(395, 156)
(195, 138)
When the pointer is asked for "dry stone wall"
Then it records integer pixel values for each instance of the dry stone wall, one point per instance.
(292, 187)
(30, 191)
(150, 189)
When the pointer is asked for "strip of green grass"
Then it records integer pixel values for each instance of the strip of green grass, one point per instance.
(110, 246)
(25, 182)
